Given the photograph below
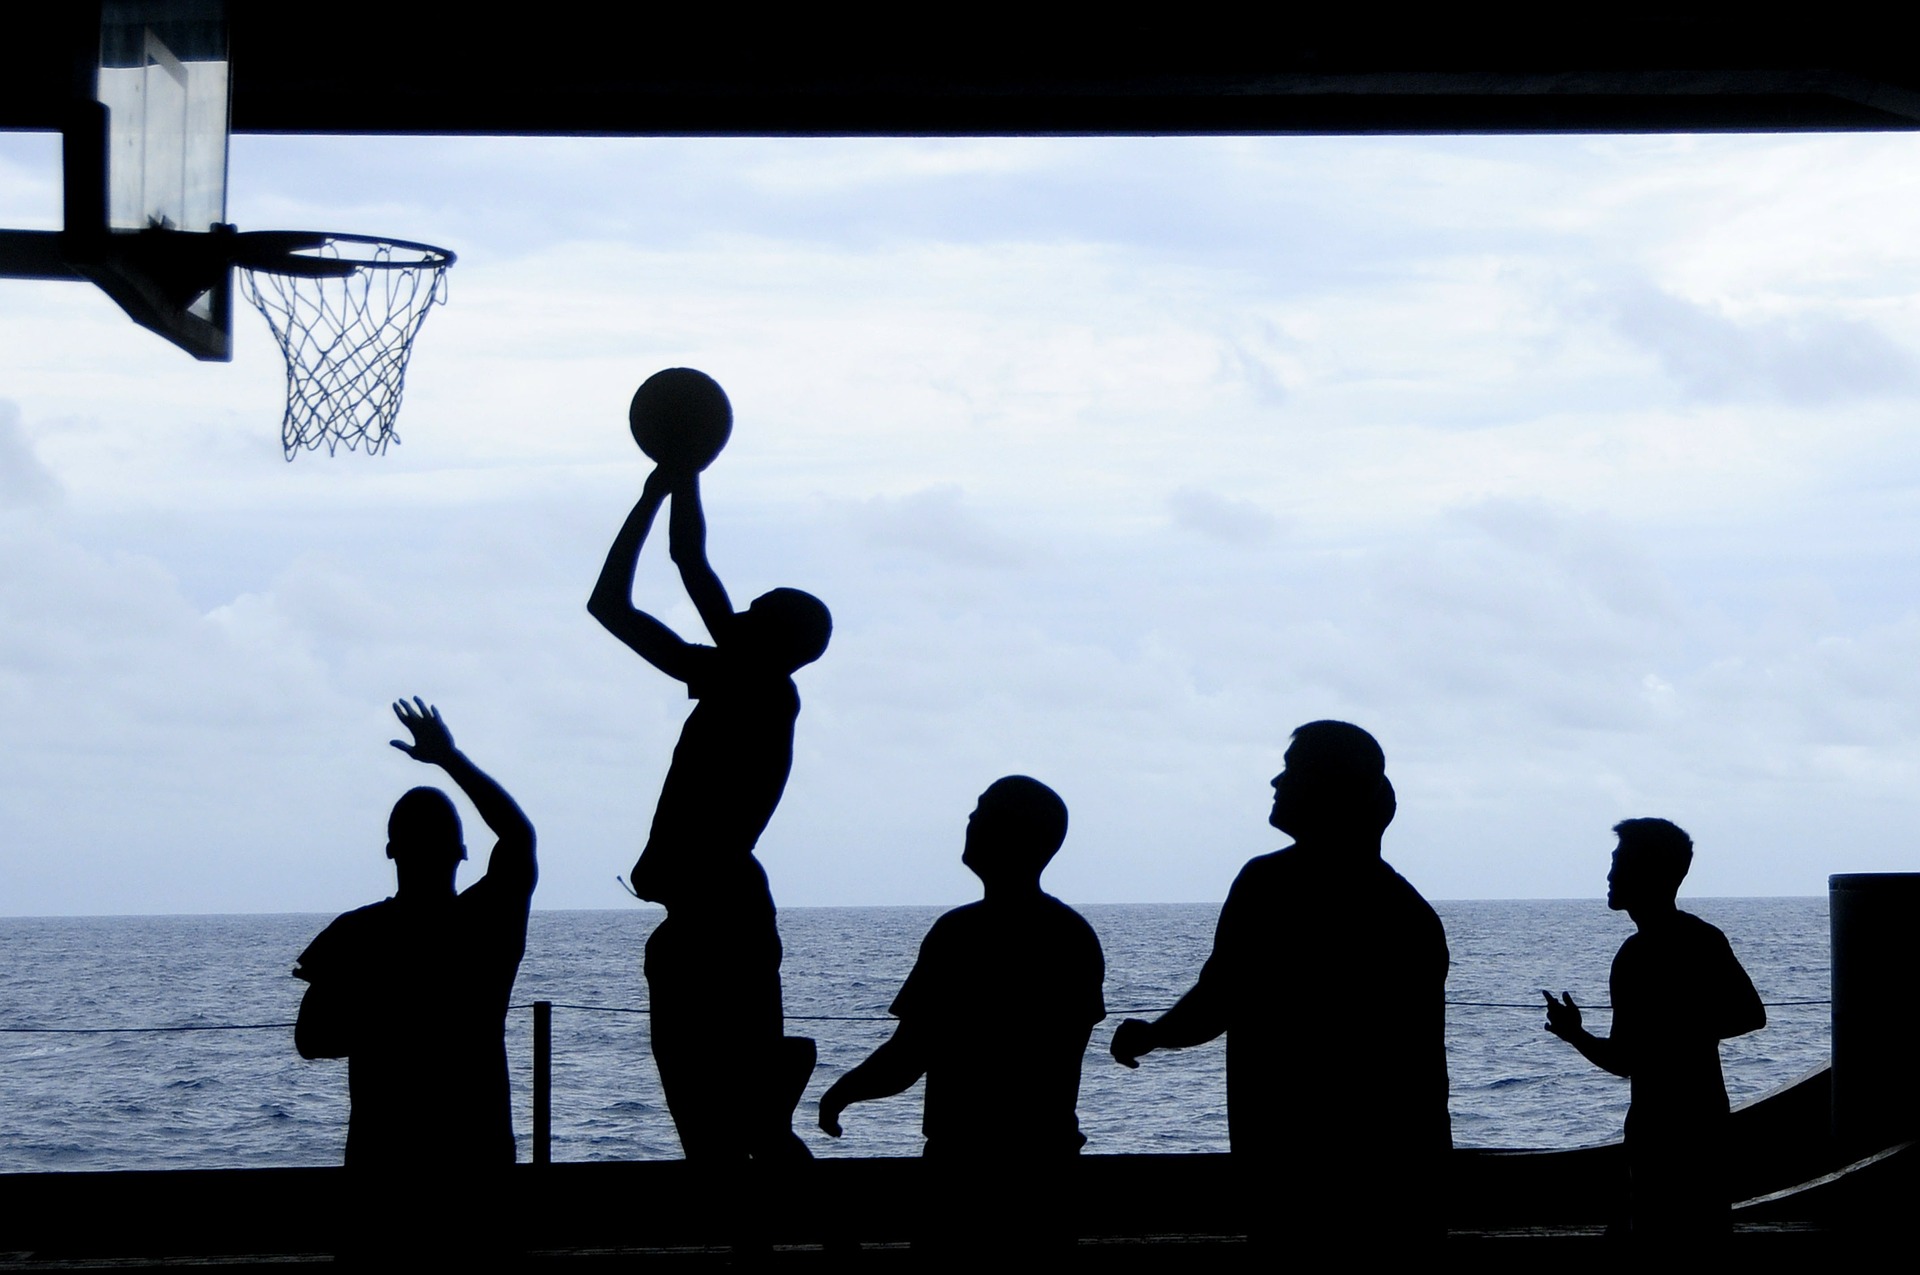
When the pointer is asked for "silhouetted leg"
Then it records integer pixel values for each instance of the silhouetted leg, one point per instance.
(1001, 1201)
(1270, 1192)
(1679, 1193)
(790, 1066)
(1337, 1202)
(731, 1078)
(692, 1040)
(1360, 1184)
(420, 1214)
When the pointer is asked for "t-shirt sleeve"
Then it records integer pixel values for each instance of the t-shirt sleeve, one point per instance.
(920, 996)
(331, 1016)
(1212, 991)
(322, 960)
(1092, 968)
(1628, 1000)
(1737, 1008)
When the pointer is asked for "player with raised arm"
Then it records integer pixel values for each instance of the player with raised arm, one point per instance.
(412, 992)
(713, 965)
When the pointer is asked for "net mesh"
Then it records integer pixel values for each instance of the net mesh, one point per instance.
(347, 339)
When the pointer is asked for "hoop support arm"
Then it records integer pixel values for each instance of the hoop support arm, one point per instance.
(35, 254)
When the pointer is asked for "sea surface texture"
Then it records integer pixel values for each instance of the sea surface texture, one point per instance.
(241, 1096)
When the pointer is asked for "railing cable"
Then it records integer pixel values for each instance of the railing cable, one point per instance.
(110, 1031)
(792, 1018)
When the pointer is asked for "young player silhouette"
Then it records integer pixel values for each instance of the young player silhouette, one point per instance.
(998, 1008)
(1678, 991)
(996, 1015)
(713, 964)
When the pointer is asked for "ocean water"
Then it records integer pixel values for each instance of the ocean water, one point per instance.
(243, 1097)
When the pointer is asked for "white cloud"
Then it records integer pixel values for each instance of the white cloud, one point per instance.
(1808, 360)
(1230, 521)
(1032, 417)
(934, 522)
(23, 479)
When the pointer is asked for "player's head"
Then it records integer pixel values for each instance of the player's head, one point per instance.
(1015, 829)
(1334, 784)
(424, 829)
(789, 627)
(1649, 864)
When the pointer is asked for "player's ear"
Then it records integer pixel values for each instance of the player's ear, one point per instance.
(1385, 805)
(389, 849)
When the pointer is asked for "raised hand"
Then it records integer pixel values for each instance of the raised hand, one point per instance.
(1563, 1016)
(432, 741)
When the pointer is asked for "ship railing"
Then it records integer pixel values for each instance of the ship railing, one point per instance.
(543, 1039)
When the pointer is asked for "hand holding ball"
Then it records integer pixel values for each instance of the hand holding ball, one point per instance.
(681, 418)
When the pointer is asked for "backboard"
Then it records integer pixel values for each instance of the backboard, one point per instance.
(163, 78)
(146, 170)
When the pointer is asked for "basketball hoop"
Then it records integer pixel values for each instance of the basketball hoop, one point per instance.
(345, 310)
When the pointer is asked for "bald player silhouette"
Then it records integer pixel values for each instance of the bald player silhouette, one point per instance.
(413, 991)
(1328, 977)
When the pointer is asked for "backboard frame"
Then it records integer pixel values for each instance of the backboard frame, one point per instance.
(144, 147)
(146, 170)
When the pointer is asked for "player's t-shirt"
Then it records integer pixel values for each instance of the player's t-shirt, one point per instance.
(1007, 995)
(1330, 972)
(1678, 991)
(419, 992)
(728, 771)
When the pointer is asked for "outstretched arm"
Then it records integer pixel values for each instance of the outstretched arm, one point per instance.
(687, 542)
(1201, 1014)
(888, 1070)
(1563, 1020)
(1195, 1019)
(512, 862)
(611, 602)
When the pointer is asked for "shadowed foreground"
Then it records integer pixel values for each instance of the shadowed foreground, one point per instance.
(1801, 1199)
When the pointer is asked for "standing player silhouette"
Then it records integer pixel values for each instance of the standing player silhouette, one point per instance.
(731, 1077)
(1678, 991)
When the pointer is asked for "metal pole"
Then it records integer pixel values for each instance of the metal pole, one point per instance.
(543, 1082)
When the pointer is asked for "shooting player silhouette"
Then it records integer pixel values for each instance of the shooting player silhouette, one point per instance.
(731, 1076)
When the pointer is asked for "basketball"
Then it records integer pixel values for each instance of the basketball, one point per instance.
(681, 418)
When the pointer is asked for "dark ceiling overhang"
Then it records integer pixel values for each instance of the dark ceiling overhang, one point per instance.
(405, 67)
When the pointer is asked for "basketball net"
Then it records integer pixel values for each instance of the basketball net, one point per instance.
(345, 312)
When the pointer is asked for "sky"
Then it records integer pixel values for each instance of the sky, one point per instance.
(1579, 470)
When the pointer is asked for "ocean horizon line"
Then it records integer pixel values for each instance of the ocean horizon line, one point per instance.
(643, 906)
